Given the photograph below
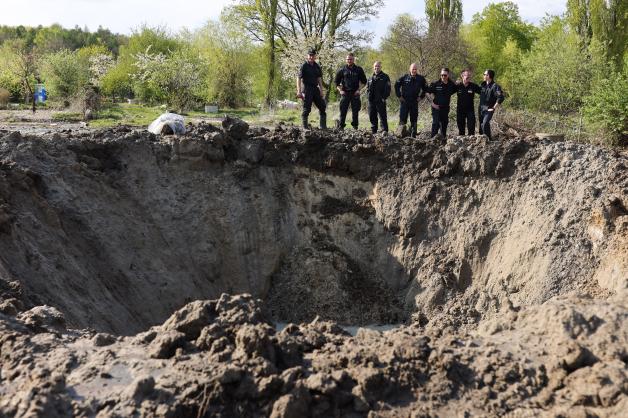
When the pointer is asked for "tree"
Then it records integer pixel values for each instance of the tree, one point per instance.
(409, 40)
(558, 64)
(260, 19)
(497, 27)
(579, 17)
(51, 39)
(228, 55)
(292, 57)
(152, 39)
(326, 20)
(178, 77)
(607, 107)
(64, 74)
(23, 64)
(443, 14)
(603, 23)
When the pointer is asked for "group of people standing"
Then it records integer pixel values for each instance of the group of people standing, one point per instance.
(410, 88)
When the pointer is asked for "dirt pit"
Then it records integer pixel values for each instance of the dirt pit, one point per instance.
(143, 275)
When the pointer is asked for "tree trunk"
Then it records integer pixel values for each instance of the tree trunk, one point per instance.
(270, 87)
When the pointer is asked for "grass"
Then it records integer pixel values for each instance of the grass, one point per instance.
(67, 117)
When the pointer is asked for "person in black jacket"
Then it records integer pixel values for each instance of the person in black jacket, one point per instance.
(310, 89)
(465, 109)
(350, 80)
(409, 88)
(378, 89)
(442, 90)
(491, 96)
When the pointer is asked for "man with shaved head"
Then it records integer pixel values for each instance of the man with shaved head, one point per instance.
(409, 89)
(378, 88)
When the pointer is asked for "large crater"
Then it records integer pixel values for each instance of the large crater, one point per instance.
(117, 229)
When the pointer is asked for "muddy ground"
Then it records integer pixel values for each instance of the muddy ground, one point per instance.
(144, 275)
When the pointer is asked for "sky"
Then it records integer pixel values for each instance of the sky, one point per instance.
(122, 16)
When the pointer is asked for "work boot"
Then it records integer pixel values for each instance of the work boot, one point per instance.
(413, 131)
(305, 124)
(323, 123)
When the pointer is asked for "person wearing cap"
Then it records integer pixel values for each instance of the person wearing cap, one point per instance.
(378, 89)
(491, 96)
(409, 88)
(350, 80)
(465, 111)
(442, 90)
(310, 89)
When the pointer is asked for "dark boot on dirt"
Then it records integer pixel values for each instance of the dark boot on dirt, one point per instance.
(305, 124)
(323, 123)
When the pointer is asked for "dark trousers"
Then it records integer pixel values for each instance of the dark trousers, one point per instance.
(440, 120)
(313, 95)
(411, 108)
(349, 98)
(485, 123)
(378, 107)
(465, 117)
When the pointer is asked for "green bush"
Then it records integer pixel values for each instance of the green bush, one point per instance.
(64, 74)
(606, 108)
(4, 98)
(12, 84)
(556, 74)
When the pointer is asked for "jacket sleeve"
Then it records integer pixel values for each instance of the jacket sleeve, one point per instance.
(476, 88)
(387, 88)
(398, 87)
(338, 79)
(499, 93)
(427, 88)
(362, 76)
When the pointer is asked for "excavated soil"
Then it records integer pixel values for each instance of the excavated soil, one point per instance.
(145, 276)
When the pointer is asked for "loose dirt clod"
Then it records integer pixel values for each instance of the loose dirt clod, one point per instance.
(143, 275)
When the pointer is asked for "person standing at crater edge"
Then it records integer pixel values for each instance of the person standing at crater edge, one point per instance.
(490, 98)
(409, 88)
(465, 111)
(310, 89)
(442, 90)
(349, 81)
(378, 88)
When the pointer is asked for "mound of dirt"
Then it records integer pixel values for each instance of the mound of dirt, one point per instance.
(224, 358)
(506, 260)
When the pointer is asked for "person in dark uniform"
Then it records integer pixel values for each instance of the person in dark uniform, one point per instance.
(349, 81)
(442, 90)
(465, 108)
(491, 97)
(378, 89)
(310, 89)
(409, 88)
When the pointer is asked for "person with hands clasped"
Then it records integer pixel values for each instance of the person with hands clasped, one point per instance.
(350, 80)
(378, 89)
(465, 108)
(442, 90)
(409, 89)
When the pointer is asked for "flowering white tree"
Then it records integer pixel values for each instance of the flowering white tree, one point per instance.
(99, 65)
(295, 53)
(179, 76)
